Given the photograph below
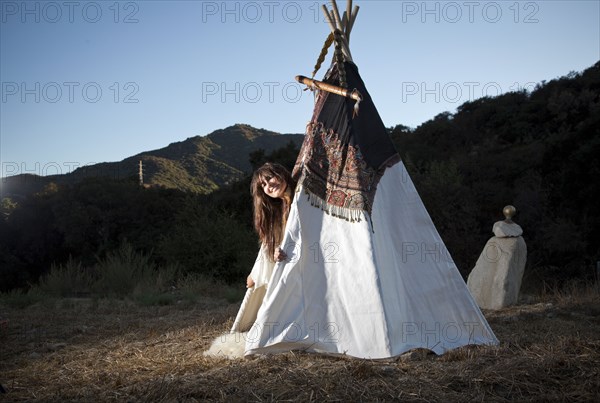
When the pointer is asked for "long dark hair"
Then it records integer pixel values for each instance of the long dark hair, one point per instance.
(270, 215)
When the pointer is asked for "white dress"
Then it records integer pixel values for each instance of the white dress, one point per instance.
(261, 274)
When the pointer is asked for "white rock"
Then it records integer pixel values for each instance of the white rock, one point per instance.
(496, 279)
(503, 229)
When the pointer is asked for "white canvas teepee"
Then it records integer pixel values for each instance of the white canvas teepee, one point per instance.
(367, 273)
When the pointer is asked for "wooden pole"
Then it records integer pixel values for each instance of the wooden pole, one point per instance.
(348, 14)
(353, 18)
(328, 17)
(334, 89)
(336, 15)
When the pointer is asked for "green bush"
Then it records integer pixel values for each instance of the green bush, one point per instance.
(121, 273)
(124, 270)
(69, 280)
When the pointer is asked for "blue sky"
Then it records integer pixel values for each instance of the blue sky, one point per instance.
(92, 81)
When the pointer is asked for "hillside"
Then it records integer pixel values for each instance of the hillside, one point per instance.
(535, 150)
(198, 164)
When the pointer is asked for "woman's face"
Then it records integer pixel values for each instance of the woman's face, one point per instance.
(272, 186)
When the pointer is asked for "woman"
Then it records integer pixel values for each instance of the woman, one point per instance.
(272, 190)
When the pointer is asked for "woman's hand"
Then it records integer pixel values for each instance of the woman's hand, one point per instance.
(249, 282)
(280, 255)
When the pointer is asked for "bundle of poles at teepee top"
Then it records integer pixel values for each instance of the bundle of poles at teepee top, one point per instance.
(340, 34)
(344, 25)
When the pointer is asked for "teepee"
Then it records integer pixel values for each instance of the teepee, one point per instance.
(367, 273)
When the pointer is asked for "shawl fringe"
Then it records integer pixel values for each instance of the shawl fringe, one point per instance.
(348, 214)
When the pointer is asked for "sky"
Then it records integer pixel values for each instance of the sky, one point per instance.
(84, 82)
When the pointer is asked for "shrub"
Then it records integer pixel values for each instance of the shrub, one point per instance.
(121, 271)
(67, 280)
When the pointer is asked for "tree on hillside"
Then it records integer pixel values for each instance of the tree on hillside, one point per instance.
(535, 150)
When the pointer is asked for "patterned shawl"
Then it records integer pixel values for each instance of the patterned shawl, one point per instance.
(343, 157)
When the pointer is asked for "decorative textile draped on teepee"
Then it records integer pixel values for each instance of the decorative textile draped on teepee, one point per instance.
(344, 153)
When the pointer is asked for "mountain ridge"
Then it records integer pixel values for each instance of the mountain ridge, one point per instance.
(197, 164)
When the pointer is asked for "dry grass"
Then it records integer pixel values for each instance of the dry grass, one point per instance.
(85, 350)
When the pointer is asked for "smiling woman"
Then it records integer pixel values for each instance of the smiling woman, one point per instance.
(272, 188)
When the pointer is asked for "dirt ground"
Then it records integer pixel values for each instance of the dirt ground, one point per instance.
(110, 350)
